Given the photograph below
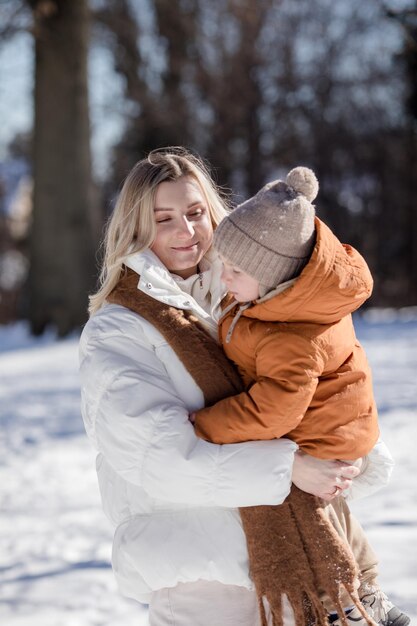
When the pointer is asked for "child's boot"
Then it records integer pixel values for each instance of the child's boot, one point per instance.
(379, 608)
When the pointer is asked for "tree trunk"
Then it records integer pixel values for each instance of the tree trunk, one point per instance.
(411, 68)
(63, 241)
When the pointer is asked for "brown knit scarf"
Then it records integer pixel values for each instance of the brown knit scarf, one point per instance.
(293, 548)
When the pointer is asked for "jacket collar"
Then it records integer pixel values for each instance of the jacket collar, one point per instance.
(155, 280)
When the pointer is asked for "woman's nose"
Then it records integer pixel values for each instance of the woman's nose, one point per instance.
(186, 228)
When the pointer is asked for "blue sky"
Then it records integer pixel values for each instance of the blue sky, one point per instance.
(16, 109)
(16, 59)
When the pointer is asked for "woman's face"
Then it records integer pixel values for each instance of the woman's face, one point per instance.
(183, 226)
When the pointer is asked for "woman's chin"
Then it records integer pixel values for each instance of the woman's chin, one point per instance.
(185, 267)
(186, 259)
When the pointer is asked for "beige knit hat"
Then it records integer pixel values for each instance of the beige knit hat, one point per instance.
(271, 236)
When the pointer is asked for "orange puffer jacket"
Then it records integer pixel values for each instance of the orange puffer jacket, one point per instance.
(306, 374)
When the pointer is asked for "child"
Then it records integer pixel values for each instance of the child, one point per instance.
(288, 328)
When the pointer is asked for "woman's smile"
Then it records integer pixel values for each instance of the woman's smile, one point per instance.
(185, 248)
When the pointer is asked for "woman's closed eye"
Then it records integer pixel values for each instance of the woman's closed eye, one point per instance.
(195, 213)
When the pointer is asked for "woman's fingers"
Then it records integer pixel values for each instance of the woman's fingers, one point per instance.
(344, 474)
(347, 471)
(323, 478)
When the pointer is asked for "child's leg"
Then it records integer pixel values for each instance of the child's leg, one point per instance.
(366, 558)
(349, 528)
(376, 603)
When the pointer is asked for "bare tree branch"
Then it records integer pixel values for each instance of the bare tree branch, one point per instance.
(15, 18)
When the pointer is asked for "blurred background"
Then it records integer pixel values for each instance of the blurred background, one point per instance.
(88, 87)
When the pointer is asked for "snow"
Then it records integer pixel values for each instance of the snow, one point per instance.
(55, 543)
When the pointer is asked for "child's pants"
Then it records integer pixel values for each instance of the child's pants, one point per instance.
(205, 603)
(349, 528)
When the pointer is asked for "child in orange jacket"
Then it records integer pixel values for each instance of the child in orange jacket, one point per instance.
(287, 326)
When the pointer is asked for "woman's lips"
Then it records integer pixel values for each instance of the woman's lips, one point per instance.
(184, 248)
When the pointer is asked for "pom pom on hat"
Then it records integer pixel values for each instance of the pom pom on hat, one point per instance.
(304, 181)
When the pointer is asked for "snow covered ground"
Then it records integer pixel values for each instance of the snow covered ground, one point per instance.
(55, 542)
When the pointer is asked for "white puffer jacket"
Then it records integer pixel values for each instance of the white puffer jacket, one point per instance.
(172, 497)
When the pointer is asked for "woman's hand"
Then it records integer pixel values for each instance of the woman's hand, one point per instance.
(325, 479)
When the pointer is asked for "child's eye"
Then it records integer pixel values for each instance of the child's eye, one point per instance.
(236, 271)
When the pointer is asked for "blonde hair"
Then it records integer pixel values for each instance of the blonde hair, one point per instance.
(132, 226)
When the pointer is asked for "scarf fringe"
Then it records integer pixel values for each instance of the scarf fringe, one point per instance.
(308, 609)
(295, 551)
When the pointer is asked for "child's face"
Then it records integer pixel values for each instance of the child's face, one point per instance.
(243, 287)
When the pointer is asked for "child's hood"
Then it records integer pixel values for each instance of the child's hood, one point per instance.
(334, 283)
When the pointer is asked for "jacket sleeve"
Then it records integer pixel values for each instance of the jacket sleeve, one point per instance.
(274, 405)
(375, 473)
(138, 421)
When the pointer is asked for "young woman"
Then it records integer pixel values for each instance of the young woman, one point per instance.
(148, 359)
